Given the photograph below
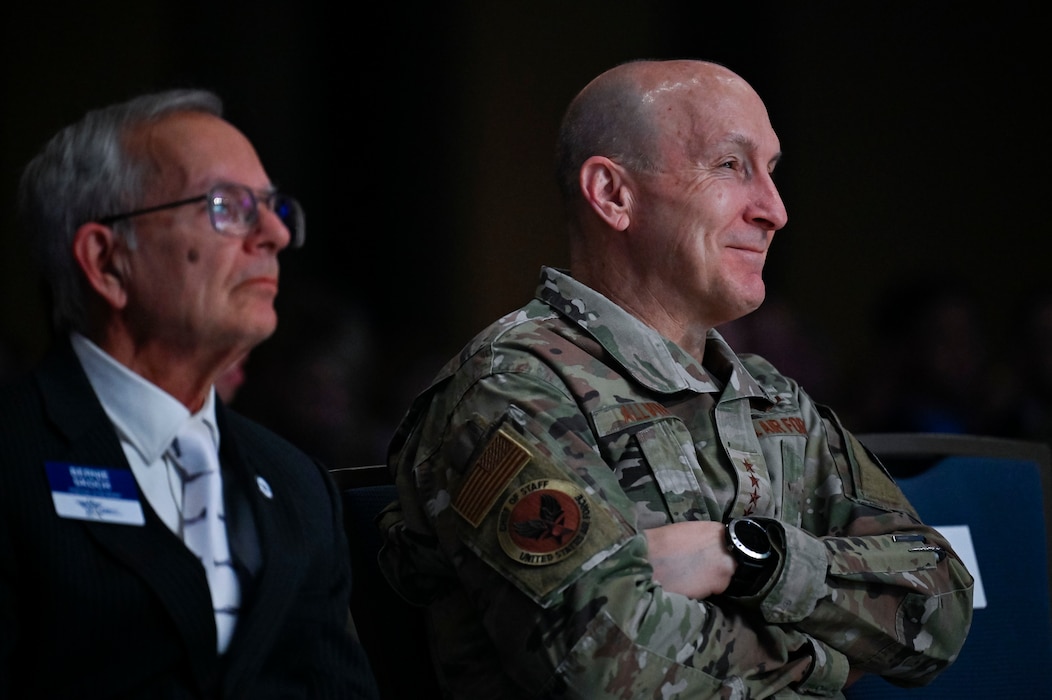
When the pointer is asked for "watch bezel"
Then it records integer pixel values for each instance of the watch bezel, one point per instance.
(744, 541)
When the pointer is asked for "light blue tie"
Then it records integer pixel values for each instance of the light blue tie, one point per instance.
(202, 525)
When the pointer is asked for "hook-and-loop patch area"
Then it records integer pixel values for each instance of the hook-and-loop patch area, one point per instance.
(534, 521)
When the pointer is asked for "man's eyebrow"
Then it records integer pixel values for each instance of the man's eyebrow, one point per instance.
(738, 140)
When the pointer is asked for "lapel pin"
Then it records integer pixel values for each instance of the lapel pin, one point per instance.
(264, 487)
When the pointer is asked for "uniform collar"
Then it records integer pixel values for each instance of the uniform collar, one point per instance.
(651, 359)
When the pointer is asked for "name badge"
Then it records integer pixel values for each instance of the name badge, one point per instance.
(100, 494)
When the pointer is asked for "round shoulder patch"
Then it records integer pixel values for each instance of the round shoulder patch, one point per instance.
(543, 521)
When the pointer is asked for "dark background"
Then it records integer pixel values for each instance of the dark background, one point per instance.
(419, 138)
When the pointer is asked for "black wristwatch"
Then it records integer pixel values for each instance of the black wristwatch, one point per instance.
(757, 559)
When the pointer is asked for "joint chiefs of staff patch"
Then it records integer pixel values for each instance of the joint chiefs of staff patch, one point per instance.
(541, 521)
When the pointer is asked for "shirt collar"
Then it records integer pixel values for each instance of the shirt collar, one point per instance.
(145, 416)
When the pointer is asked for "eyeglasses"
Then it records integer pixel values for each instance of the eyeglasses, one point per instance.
(234, 211)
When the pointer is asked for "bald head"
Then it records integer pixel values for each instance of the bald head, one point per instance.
(666, 170)
(629, 111)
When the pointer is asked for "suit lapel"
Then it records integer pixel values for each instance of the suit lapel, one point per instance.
(154, 554)
(151, 551)
(278, 541)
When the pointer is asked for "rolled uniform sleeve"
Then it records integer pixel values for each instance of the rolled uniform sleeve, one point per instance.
(880, 570)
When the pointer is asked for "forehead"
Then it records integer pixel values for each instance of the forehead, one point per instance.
(713, 112)
(196, 150)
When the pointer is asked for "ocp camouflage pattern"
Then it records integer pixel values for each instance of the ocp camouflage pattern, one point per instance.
(529, 469)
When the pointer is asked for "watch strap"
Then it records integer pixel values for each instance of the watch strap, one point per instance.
(752, 572)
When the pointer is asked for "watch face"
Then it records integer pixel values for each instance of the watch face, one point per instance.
(750, 538)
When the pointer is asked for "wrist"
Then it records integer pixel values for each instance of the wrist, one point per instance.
(756, 556)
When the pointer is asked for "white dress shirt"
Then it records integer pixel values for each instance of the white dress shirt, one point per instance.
(146, 418)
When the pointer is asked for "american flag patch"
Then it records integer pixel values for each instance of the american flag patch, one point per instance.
(498, 464)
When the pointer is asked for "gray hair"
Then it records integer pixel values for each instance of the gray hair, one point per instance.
(83, 173)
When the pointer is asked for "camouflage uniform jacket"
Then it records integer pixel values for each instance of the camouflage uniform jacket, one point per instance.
(529, 469)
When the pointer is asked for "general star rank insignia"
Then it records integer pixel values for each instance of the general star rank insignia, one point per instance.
(543, 521)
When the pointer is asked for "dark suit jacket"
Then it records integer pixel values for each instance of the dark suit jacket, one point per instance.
(102, 610)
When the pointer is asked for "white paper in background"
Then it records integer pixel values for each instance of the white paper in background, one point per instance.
(960, 538)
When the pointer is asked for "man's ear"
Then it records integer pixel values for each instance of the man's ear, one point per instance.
(607, 190)
(101, 257)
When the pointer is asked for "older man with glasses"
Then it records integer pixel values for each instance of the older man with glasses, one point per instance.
(154, 543)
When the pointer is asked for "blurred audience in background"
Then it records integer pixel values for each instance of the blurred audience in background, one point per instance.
(310, 380)
(228, 383)
(328, 380)
(932, 366)
(778, 332)
(1030, 358)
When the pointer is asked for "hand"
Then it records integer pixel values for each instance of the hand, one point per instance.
(691, 558)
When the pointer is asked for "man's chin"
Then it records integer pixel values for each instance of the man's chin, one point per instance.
(752, 304)
(754, 296)
(256, 328)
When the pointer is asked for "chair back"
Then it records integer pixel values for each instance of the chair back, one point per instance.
(392, 631)
(992, 498)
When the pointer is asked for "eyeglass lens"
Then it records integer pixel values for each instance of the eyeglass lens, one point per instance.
(235, 209)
